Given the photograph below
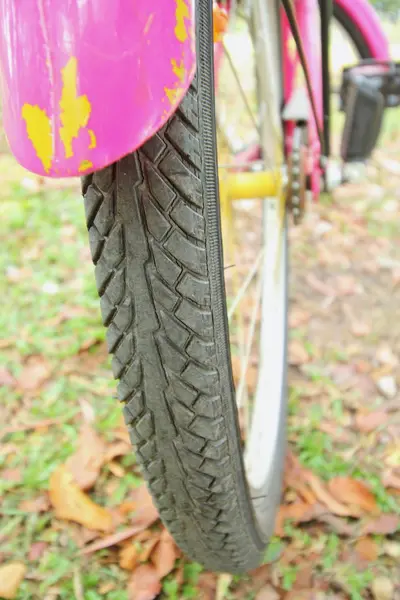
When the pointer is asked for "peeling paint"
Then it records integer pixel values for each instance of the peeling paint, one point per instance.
(85, 165)
(179, 71)
(92, 138)
(182, 13)
(75, 110)
(38, 127)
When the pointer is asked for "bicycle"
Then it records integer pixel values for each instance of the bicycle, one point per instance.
(157, 204)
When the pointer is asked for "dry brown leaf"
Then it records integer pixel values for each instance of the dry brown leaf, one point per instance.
(324, 495)
(367, 549)
(14, 475)
(382, 588)
(164, 555)
(353, 493)
(112, 540)
(71, 503)
(370, 421)
(294, 478)
(118, 448)
(304, 576)
(267, 593)
(346, 285)
(89, 343)
(148, 547)
(360, 329)
(383, 525)
(298, 512)
(85, 464)
(334, 430)
(301, 595)
(34, 373)
(319, 286)
(6, 379)
(121, 433)
(298, 316)
(144, 583)
(11, 576)
(146, 513)
(37, 550)
(206, 585)
(298, 355)
(128, 557)
(116, 469)
(385, 356)
(44, 424)
(391, 480)
(36, 505)
(337, 525)
(106, 587)
(127, 507)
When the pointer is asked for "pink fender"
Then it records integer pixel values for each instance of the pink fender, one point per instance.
(84, 82)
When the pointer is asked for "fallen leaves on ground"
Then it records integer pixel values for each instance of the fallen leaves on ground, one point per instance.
(298, 317)
(165, 554)
(146, 513)
(297, 354)
(35, 372)
(354, 494)
(11, 576)
(382, 588)
(70, 503)
(128, 557)
(297, 512)
(113, 539)
(384, 525)
(370, 421)
(367, 549)
(36, 505)
(6, 379)
(144, 584)
(267, 593)
(37, 550)
(391, 479)
(86, 462)
(13, 475)
(324, 495)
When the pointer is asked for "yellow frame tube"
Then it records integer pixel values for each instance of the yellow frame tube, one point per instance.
(258, 184)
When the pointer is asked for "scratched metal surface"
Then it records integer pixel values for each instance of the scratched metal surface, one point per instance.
(84, 82)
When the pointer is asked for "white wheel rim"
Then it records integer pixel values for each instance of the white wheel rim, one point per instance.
(269, 267)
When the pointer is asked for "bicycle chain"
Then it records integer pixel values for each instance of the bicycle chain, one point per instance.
(297, 175)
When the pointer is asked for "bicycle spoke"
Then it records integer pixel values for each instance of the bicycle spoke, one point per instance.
(254, 269)
(253, 321)
(242, 92)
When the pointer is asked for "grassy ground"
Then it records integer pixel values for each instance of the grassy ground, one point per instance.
(338, 531)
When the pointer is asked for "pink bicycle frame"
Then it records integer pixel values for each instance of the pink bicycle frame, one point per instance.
(85, 82)
(366, 21)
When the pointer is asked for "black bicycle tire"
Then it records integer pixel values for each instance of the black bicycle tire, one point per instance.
(154, 231)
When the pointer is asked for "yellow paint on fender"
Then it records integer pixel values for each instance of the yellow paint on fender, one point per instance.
(92, 138)
(38, 127)
(182, 13)
(75, 110)
(178, 69)
(85, 165)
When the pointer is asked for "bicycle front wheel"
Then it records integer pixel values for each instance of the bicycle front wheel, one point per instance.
(156, 240)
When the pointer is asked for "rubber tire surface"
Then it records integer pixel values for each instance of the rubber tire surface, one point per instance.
(154, 231)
